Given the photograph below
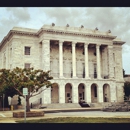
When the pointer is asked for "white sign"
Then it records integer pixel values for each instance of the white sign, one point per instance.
(25, 91)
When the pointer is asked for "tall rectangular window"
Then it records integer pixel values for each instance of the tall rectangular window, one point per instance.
(95, 71)
(27, 50)
(27, 65)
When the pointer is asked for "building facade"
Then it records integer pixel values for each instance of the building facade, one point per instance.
(85, 64)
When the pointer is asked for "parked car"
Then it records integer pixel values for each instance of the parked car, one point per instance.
(82, 103)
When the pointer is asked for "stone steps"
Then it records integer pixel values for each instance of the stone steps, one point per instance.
(61, 105)
(69, 105)
(95, 104)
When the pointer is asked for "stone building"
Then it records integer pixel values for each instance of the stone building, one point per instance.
(86, 64)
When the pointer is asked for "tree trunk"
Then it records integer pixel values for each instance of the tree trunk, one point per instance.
(27, 103)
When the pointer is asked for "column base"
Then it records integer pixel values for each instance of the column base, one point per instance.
(111, 78)
(75, 77)
(61, 77)
(99, 77)
(87, 78)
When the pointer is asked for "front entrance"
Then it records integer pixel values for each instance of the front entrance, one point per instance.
(81, 89)
(94, 95)
(68, 93)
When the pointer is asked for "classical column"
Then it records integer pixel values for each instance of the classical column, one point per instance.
(88, 94)
(75, 94)
(61, 92)
(46, 55)
(110, 62)
(74, 60)
(7, 57)
(60, 59)
(86, 61)
(100, 93)
(98, 61)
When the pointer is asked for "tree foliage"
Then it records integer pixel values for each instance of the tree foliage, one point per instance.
(13, 81)
(127, 89)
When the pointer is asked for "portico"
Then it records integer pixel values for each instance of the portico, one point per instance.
(73, 58)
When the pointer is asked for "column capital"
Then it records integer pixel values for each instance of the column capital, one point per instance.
(110, 46)
(45, 41)
(98, 45)
(86, 44)
(61, 41)
(74, 43)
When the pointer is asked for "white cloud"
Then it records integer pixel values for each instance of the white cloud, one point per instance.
(115, 19)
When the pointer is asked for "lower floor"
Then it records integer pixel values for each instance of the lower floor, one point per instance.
(75, 90)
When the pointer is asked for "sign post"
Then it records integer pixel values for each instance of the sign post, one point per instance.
(25, 92)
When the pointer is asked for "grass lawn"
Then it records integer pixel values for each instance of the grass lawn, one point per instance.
(78, 120)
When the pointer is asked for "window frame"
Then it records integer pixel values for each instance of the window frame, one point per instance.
(27, 64)
(27, 50)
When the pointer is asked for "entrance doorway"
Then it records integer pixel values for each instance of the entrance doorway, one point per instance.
(94, 95)
(81, 89)
(68, 93)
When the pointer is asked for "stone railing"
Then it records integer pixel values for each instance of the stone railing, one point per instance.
(69, 75)
(55, 75)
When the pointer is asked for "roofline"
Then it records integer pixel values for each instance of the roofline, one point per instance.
(8, 36)
(119, 42)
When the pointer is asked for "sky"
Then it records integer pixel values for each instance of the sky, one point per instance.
(116, 19)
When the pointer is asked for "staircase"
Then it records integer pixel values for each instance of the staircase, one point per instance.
(69, 105)
(104, 104)
(61, 105)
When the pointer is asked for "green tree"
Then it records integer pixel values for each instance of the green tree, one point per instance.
(7, 92)
(18, 78)
(127, 89)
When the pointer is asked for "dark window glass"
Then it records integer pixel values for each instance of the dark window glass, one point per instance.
(27, 65)
(27, 50)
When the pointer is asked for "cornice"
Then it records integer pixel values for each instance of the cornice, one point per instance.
(12, 32)
(77, 33)
(56, 31)
(118, 42)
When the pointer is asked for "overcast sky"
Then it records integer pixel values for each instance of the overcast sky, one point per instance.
(113, 18)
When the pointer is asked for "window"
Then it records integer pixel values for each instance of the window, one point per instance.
(27, 65)
(27, 51)
(95, 71)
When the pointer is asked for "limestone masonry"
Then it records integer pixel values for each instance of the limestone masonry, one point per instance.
(86, 64)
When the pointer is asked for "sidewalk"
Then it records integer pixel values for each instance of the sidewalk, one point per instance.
(71, 112)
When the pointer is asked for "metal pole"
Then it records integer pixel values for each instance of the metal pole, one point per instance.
(25, 111)
(3, 102)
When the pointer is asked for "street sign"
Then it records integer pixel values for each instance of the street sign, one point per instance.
(25, 91)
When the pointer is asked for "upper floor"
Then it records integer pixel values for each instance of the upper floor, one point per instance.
(25, 47)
